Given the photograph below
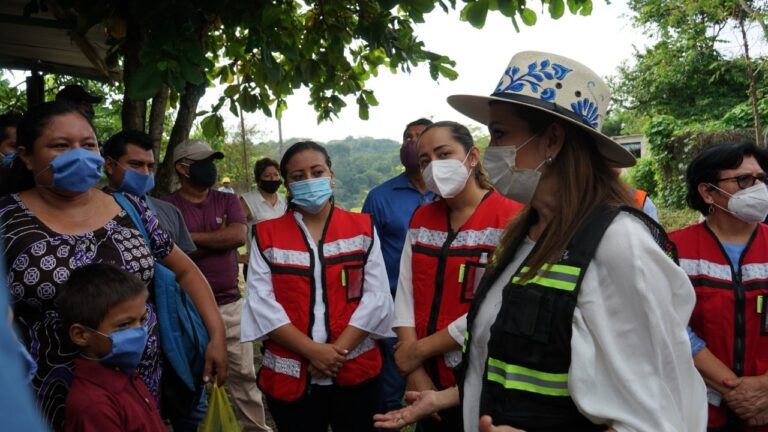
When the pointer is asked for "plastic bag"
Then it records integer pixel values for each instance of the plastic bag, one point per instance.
(220, 416)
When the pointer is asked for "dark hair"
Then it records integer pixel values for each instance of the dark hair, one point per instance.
(115, 146)
(8, 120)
(298, 148)
(707, 165)
(461, 134)
(92, 290)
(261, 165)
(419, 122)
(18, 178)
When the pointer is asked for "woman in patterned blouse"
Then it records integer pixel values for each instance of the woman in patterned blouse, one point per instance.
(53, 222)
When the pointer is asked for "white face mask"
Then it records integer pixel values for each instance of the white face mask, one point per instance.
(446, 177)
(749, 205)
(515, 183)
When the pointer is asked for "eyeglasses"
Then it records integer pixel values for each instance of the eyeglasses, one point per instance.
(745, 180)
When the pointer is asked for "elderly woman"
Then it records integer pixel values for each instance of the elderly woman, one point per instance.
(56, 221)
(581, 323)
(726, 257)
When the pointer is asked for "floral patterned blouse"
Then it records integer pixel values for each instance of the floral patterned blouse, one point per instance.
(39, 261)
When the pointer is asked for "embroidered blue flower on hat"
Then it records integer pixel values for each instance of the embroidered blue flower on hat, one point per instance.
(588, 111)
(537, 77)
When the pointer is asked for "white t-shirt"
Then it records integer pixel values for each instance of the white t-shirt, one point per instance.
(262, 210)
(631, 366)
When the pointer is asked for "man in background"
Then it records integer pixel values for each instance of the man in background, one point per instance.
(391, 204)
(130, 168)
(225, 186)
(217, 224)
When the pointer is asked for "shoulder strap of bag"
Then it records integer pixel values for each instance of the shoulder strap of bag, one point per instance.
(133, 214)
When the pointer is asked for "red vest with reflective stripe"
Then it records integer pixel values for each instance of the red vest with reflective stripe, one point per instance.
(345, 245)
(444, 266)
(729, 308)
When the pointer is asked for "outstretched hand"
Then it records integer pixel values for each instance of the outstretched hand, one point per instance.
(422, 404)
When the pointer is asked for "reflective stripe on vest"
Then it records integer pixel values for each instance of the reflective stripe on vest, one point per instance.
(521, 378)
(557, 276)
(281, 365)
(712, 270)
(366, 345)
(287, 257)
(359, 243)
(488, 237)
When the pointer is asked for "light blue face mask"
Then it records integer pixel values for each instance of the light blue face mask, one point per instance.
(76, 170)
(311, 195)
(8, 159)
(127, 348)
(136, 183)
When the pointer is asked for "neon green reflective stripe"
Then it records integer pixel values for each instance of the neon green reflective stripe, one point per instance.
(558, 276)
(464, 343)
(462, 269)
(521, 378)
(343, 278)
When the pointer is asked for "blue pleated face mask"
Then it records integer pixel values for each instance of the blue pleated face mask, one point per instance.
(127, 348)
(312, 194)
(136, 183)
(75, 170)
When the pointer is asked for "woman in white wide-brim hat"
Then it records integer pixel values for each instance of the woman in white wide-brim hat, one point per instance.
(581, 325)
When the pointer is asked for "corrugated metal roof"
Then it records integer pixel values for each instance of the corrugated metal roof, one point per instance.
(46, 43)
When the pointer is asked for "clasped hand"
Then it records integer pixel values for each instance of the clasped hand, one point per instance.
(325, 360)
(748, 398)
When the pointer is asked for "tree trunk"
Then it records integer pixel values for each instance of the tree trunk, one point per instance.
(166, 180)
(752, 85)
(133, 113)
(157, 119)
(246, 162)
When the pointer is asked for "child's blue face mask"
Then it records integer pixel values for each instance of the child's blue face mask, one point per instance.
(127, 348)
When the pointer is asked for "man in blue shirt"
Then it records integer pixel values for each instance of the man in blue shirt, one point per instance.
(391, 204)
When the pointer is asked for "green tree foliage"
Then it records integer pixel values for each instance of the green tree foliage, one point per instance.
(683, 92)
(11, 99)
(171, 51)
(359, 165)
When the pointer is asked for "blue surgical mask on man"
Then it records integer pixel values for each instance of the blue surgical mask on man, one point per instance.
(136, 183)
(127, 348)
(76, 170)
(312, 194)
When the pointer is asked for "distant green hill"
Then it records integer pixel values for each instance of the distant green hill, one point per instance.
(360, 164)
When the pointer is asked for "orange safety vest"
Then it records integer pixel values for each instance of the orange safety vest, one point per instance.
(731, 306)
(447, 266)
(640, 197)
(344, 248)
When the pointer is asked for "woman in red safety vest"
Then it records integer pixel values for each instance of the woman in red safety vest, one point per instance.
(726, 258)
(448, 245)
(318, 297)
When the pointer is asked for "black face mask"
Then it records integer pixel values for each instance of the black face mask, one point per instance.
(270, 186)
(203, 173)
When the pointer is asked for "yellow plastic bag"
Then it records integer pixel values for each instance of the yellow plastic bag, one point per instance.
(220, 416)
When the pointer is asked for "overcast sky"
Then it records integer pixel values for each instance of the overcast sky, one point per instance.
(601, 41)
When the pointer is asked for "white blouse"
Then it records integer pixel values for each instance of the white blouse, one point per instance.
(631, 366)
(262, 313)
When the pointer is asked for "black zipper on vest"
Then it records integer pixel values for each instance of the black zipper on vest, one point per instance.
(442, 260)
(739, 328)
(323, 278)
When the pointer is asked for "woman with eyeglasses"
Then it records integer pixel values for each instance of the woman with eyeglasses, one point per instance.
(726, 258)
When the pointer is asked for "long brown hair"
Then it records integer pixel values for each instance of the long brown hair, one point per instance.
(584, 181)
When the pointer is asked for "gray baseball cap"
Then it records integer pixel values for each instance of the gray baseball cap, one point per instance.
(195, 150)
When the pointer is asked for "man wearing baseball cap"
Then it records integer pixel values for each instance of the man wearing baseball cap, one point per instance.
(218, 227)
(75, 95)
